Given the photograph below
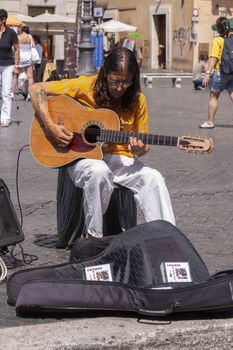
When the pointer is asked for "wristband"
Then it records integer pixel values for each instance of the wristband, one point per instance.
(16, 66)
(207, 72)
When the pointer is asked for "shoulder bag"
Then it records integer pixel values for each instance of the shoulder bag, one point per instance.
(35, 55)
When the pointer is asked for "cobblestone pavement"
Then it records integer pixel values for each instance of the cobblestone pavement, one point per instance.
(201, 185)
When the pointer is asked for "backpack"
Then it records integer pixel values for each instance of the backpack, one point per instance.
(227, 56)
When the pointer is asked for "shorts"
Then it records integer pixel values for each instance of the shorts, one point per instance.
(220, 82)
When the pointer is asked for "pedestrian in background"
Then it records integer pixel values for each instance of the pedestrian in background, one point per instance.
(9, 63)
(219, 81)
(25, 62)
(37, 66)
(199, 72)
(162, 56)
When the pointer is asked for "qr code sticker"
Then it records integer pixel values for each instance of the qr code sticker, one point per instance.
(175, 272)
(181, 273)
(102, 275)
(99, 273)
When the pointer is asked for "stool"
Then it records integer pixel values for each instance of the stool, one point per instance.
(120, 215)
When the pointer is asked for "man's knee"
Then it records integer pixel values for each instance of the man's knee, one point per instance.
(153, 177)
(99, 171)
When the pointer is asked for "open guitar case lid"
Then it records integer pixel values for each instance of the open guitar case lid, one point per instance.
(151, 269)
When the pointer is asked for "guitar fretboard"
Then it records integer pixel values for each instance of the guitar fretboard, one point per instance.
(115, 136)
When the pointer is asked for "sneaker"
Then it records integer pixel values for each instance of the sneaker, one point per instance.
(6, 123)
(207, 125)
(201, 88)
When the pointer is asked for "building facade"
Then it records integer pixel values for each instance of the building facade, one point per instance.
(181, 27)
(176, 30)
(36, 7)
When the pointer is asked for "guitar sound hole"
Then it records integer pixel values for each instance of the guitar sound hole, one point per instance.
(91, 133)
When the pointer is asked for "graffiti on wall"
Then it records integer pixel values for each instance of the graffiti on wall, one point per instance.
(182, 36)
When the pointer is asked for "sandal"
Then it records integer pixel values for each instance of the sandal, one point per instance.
(207, 125)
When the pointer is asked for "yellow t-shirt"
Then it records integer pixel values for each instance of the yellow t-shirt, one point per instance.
(217, 47)
(82, 90)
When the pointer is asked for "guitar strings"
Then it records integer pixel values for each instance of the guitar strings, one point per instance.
(123, 135)
(119, 133)
(94, 131)
(109, 134)
(120, 136)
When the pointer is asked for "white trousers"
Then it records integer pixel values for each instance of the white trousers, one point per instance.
(97, 178)
(6, 79)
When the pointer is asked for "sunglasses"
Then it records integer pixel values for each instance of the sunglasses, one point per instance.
(116, 83)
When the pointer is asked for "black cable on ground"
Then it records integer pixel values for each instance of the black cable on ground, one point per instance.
(27, 258)
(17, 184)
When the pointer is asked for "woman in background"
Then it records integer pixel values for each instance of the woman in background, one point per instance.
(9, 63)
(25, 62)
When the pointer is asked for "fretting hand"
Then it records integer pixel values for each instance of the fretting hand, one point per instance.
(137, 147)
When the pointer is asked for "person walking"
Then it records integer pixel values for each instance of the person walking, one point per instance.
(116, 87)
(220, 80)
(9, 63)
(25, 62)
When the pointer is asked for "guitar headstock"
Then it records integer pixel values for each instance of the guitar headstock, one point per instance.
(195, 144)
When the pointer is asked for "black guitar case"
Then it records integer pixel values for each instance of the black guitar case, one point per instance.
(151, 269)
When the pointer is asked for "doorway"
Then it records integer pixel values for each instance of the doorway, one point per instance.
(161, 30)
(159, 33)
(159, 23)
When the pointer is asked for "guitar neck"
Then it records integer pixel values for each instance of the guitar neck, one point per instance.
(115, 136)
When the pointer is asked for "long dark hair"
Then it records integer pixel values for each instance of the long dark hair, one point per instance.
(25, 29)
(223, 26)
(120, 59)
(3, 15)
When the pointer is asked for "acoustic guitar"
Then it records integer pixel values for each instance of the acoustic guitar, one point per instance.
(91, 129)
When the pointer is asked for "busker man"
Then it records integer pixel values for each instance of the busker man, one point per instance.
(116, 87)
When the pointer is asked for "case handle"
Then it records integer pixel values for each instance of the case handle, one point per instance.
(152, 313)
